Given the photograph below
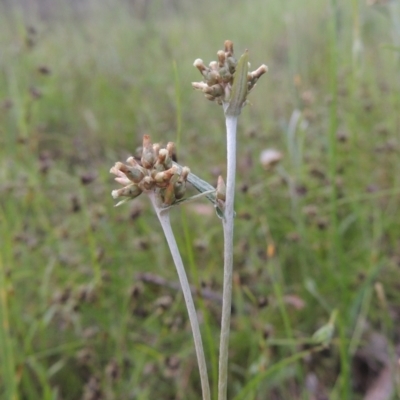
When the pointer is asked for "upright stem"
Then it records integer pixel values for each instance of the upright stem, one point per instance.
(187, 294)
(231, 124)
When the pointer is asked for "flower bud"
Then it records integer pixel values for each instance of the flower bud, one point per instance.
(131, 161)
(232, 63)
(134, 174)
(213, 77)
(123, 180)
(148, 154)
(221, 58)
(184, 173)
(214, 66)
(121, 177)
(180, 189)
(162, 154)
(199, 64)
(199, 86)
(228, 48)
(166, 159)
(165, 176)
(116, 168)
(221, 189)
(171, 148)
(131, 191)
(156, 148)
(215, 90)
(147, 183)
(258, 72)
(169, 194)
(225, 75)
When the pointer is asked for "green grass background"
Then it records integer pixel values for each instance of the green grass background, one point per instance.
(318, 233)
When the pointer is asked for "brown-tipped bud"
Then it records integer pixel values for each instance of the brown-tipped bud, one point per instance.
(228, 48)
(134, 174)
(165, 176)
(166, 159)
(225, 75)
(199, 64)
(184, 173)
(180, 189)
(125, 168)
(161, 156)
(131, 191)
(169, 194)
(117, 167)
(221, 58)
(146, 141)
(148, 154)
(221, 189)
(156, 148)
(212, 78)
(171, 148)
(132, 162)
(199, 86)
(232, 63)
(258, 72)
(147, 183)
(215, 90)
(214, 65)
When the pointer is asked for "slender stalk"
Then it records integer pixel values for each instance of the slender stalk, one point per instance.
(231, 125)
(338, 265)
(208, 336)
(8, 384)
(187, 294)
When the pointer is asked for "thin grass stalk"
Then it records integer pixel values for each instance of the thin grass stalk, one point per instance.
(164, 219)
(192, 266)
(8, 382)
(208, 335)
(231, 126)
(337, 263)
(8, 366)
(253, 384)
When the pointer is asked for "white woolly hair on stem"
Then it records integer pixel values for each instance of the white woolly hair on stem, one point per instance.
(231, 125)
(163, 217)
(232, 111)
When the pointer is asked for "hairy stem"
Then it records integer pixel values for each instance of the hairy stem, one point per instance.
(187, 294)
(231, 124)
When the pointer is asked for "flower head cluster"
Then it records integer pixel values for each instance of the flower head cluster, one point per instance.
(219, 75)
(154, 173)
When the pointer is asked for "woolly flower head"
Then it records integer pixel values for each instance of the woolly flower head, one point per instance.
(219, 75)
(154, 173)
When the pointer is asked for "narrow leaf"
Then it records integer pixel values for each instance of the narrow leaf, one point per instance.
(204, 187)
(239, 87)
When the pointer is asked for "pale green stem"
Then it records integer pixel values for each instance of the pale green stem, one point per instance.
(163, 217)
(231, 124)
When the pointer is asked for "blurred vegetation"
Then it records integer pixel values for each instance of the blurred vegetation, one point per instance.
(79, 317)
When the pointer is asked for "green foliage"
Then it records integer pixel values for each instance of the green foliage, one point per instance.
(78, 315)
